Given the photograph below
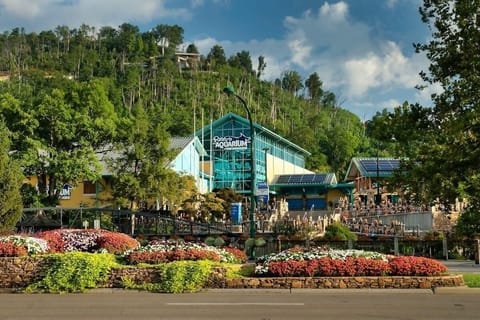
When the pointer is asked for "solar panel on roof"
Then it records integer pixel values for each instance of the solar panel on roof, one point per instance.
(390, 164)
(303, 179)
(295, 179)
(307, 178)
(319, 178)
(370, 165)
(383, 165)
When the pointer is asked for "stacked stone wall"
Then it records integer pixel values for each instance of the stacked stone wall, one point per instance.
(20, 272)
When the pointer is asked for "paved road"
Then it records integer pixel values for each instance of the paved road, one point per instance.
(461, 266)
(243, 304)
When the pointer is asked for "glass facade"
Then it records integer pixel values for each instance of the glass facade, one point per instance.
(227, 141)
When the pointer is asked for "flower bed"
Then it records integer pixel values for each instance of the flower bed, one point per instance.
(318, 262)
(167, 251)
(19, 245)
(89, 240)
(176, 262)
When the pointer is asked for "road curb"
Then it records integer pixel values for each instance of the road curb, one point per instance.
(456, 290)
(322, 291)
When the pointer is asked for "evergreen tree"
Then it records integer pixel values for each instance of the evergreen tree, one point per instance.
(314, 86)
(192, 48)
(242, 61)
(216, 56)
(261, 66)
(292, 81)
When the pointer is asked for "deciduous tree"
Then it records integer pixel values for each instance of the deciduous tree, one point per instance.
(10, 183)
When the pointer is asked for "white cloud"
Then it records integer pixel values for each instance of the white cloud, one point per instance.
(349, 58)
(336, 12)
(22, 8)
(424, 96)
(197, 3)
(391, 3)
(385, 68)
(390, 104)
(47, 14)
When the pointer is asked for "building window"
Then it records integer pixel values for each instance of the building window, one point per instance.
(89, 187)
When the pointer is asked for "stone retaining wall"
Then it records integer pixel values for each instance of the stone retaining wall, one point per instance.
(348, 282)
(218, 280)
(20, 272)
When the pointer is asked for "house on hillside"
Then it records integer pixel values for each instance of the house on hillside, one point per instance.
(186, 60)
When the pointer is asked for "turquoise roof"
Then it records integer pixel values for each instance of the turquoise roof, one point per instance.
(258, 130)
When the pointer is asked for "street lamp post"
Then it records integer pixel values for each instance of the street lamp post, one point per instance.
(378, 199)
(265, 150)
(266, 199)
(230, 91)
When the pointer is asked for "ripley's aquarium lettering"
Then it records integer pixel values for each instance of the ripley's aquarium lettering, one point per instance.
(231, 143)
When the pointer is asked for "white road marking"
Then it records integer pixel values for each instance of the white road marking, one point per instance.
(232, 304)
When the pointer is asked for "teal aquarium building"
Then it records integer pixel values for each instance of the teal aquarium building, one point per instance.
(280, 171)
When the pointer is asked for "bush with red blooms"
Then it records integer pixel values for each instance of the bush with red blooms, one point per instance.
(240, 255)
(167, 251)
(294, 268)
(87, 240)
(415, 266)
(324, 267)
(8, 249)
(115, 242)
(54, 240)
(301, 263)
(156, 257)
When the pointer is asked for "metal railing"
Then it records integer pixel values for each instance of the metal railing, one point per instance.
(160, 223)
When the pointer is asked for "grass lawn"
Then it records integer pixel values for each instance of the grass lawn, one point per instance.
(472, 280)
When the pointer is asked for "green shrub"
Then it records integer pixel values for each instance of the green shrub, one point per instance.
(337, 231)
(219, 242)
(209, 241)
(250, 242)
(260, 242)
(176, 277)
(239, 271)
(184, 276)
(74, 272)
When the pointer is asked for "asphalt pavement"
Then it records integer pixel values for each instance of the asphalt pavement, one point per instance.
(461, 266)
(243, 304)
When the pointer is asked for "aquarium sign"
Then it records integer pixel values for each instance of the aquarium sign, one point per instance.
(231, 143)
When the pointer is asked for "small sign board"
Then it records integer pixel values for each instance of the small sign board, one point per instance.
(236, 213)
(262, 189)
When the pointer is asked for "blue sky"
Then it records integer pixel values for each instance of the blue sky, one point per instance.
(361, 49)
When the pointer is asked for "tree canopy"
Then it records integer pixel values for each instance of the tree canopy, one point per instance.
(10, 183)
(441, 143)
